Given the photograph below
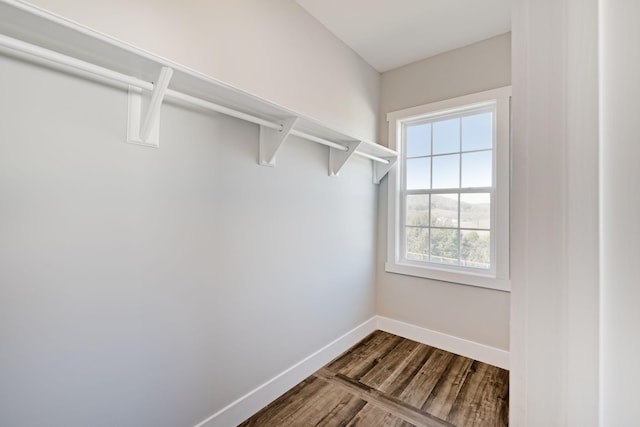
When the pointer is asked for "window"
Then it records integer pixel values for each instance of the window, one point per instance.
(449, 193)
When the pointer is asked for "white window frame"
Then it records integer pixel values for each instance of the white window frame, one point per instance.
(498, 276)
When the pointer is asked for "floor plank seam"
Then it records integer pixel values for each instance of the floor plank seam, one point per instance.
(405, 411)
(390, 381)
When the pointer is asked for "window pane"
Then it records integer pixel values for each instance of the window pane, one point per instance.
(476, 169)
(418, 209)
(477, 132)
(475, 249)
(444, 210)
(446, 171)
(417, 240)
(418, 173)
(418, 140)
(475, 210)
(444, 246)
(446, 136)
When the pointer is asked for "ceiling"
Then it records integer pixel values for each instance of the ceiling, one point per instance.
(392, 33)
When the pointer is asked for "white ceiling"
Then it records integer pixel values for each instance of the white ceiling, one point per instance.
(392, 33)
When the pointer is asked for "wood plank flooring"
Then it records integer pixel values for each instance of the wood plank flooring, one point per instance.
(389, 381)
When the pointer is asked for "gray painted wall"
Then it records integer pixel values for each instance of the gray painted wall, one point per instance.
(152, 287)
(619, 204)
(476, 314)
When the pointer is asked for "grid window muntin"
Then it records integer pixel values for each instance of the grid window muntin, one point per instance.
(455, 259)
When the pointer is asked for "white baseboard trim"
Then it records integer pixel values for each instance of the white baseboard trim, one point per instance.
(238, 411)
(241, 409)
(473, 350)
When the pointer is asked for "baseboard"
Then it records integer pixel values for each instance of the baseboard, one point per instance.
(483, 353)
(238, 411)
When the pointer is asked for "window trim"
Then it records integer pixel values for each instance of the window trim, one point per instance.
(498, 279)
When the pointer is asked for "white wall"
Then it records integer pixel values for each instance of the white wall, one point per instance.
(475, 314)
(152, 287)
(620, 175)
(554, 238)
(273, 49)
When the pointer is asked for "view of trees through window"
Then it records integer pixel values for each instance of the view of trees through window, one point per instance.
(448, 189)
(433, 235)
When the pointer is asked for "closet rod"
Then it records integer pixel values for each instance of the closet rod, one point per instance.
(48, 56)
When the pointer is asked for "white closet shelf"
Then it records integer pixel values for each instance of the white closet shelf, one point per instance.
(36, 35)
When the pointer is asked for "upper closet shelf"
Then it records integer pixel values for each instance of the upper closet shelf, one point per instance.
(38, 36)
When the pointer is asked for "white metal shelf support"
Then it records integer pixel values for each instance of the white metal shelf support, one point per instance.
(381, 169)
(338, 158)
(148, 131)
(272, 139)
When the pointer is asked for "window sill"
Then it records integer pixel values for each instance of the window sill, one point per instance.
(457, 277)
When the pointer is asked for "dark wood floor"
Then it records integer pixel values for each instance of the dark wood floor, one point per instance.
(386, 380)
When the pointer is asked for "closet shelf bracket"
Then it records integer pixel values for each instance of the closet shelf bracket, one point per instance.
(271, 141)
(338, 158)
(381, 169)
(147, 132)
